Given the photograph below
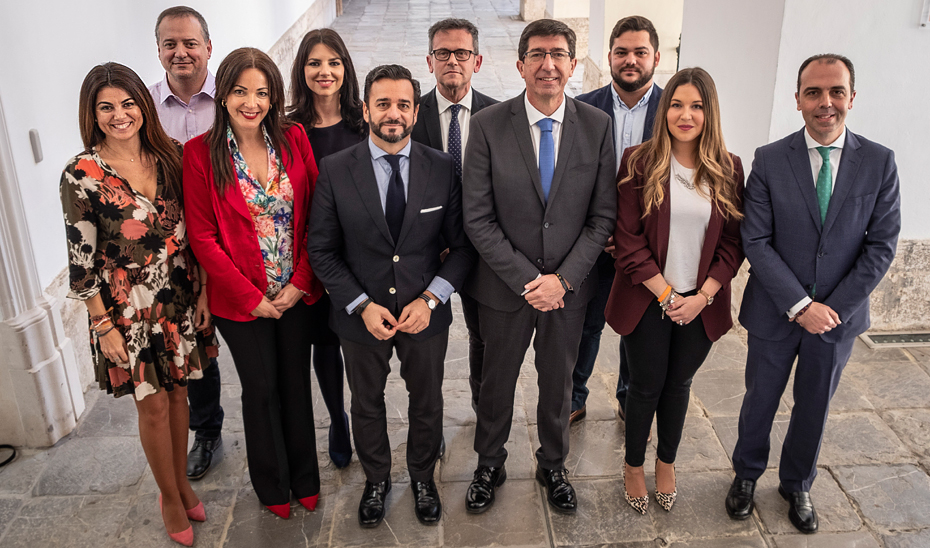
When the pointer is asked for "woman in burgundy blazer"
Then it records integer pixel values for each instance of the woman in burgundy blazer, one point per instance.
(248, 182)
(677, 248)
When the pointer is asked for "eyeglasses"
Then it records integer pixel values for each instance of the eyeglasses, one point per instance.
(461, 55)
(558, 56)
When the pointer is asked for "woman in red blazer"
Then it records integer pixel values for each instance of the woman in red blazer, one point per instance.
(248, 182)
(677, 248)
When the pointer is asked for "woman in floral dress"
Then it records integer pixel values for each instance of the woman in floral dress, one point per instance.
(130, 263)
(247, 188)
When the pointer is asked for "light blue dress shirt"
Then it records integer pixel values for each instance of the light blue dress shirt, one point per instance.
(629, 123)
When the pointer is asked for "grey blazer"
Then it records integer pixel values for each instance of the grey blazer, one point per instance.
(517, 234)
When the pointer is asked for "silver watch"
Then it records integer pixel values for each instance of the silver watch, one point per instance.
(429, 302)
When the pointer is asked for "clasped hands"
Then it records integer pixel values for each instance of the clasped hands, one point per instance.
(414, 318)
(684, 309)
(818, 319)
(285, 299)
(545, 293)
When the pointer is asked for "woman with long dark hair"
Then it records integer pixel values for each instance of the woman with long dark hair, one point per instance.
(248, 182)
(678, 247)
(325, 100)
(130, 263)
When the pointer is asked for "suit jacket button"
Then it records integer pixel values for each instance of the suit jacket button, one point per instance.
(808, 287)
(546, 225)
(392, 291)
(396, 258)
(539, 261)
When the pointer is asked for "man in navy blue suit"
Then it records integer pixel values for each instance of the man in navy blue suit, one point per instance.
(822, 220)
(631, 100)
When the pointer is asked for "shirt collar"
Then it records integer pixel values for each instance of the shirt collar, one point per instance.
(642, 102)
(534, 115)
(209, 88)
(811, 143)
(377, 152)
(443, 104)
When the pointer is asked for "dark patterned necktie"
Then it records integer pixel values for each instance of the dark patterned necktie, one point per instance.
(455, 140)
(396, 203)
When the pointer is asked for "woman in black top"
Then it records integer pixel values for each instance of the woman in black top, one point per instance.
(325, 100)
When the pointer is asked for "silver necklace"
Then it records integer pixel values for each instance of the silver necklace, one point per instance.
(688, 184)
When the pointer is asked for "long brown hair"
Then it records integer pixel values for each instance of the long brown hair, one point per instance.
(302, 107)
(154, 139)
(714, 171)
(274, 122)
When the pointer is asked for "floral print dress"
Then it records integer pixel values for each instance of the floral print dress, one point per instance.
(272, 210)
(133, 253)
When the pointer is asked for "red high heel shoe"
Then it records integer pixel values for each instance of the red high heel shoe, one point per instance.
(185, 537)
(310, 502)
(283, 511)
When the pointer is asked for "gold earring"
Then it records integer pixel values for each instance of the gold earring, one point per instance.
(223, 102)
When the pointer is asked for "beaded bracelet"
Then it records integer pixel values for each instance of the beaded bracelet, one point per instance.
(800, 312)
(106, 314)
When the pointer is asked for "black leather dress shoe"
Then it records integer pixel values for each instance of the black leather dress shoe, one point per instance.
(426, 504)
(480, 495)
(371, 507)
(802, 513)
(560, 493)
(739, 499)
(203, 454)
(442, 447)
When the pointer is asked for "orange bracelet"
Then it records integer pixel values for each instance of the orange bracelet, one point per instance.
(668, 289)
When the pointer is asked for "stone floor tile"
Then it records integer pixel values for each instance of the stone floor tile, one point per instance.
(400, 526)
(252, 525)
(457, 410)
(863, 354)
(893, 383)
(860, 438)
(754, 541)
(727, 429)
(75, 522)
(596, 449)
(9, 507)
(603, 516)
(728, 353)
(921, 354)
(601, 404)
(20, 475)
(892, 497)
(516, 519)
(915, 539)
(721, 391)
(699, 511)
(834, 510)
(144, 527)
(456, 365)
(700, 448)
(912, 426)
(861, 539)
(81, 466)
(461, 460)
(110, 417)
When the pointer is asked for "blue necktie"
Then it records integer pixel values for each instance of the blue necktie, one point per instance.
(395, 204)
(455, 140)
(546, 155)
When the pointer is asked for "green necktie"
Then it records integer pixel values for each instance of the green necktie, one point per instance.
(824, 182)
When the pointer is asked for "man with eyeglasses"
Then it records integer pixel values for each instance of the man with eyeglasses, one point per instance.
(539, 204)
(445, 113)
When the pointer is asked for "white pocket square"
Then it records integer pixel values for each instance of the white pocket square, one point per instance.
(430, 209)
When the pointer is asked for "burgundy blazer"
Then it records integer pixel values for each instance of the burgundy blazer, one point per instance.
(222, 233)
(642, 248)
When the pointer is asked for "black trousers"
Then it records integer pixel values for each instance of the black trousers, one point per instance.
(204, 397)
(663, 358)
(506, 337)
(327, 363)
(272, 358)
(475, 346)
(421, 367)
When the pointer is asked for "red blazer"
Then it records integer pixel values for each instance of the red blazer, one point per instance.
(222, 233)
(642, 248)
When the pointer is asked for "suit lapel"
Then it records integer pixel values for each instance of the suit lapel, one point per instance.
(566, 140)
(416, 190)
(799, 158)
(651, 109)
(430, 108)
(521, 128)
(845, 179)
(367, 186)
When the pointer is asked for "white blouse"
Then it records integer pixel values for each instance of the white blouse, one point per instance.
(689, 216)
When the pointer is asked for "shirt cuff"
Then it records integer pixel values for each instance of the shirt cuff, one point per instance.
(354, 304)
(797, 308)
(441, 288)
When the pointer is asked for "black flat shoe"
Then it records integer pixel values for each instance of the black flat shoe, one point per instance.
(480, 495)
(801, 513)
(371, 507)
(560, 493)
(739, 499)
(202, 456)
(426, 504)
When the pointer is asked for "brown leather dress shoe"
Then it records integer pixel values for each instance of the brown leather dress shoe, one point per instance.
(577, 415)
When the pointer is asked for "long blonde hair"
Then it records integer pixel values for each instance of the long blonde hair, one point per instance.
(714, 171)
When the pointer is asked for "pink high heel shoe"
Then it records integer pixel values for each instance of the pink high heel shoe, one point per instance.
(185, 537)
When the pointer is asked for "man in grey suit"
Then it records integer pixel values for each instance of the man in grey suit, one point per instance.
(445, 113)
(822, 220)
(383, 210)
(540, 202)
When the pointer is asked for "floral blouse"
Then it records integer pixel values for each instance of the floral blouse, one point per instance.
(272, 210)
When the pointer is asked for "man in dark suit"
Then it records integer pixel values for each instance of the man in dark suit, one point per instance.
(822, 220)
(631, 101)
(382, 212)
(445, 113)
(540, 203)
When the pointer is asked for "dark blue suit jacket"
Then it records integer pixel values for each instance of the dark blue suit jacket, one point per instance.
(602, 98)
(788, 249)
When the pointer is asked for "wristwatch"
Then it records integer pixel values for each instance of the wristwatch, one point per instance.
(706, 295)
(429, 302)
(362, 306)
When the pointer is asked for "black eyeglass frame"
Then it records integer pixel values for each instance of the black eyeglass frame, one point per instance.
(568, 55)
(445, 54)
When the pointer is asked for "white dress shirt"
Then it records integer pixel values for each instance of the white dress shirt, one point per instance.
(629, 123)
(445, 118)
(533, 116)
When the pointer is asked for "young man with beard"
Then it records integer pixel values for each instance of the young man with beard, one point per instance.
(382, 213)
(631, 101)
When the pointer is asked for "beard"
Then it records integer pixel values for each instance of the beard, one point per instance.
(389, 137)
(635, 85)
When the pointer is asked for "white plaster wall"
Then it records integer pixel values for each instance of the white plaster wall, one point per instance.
(563, 9)
(50, 46)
